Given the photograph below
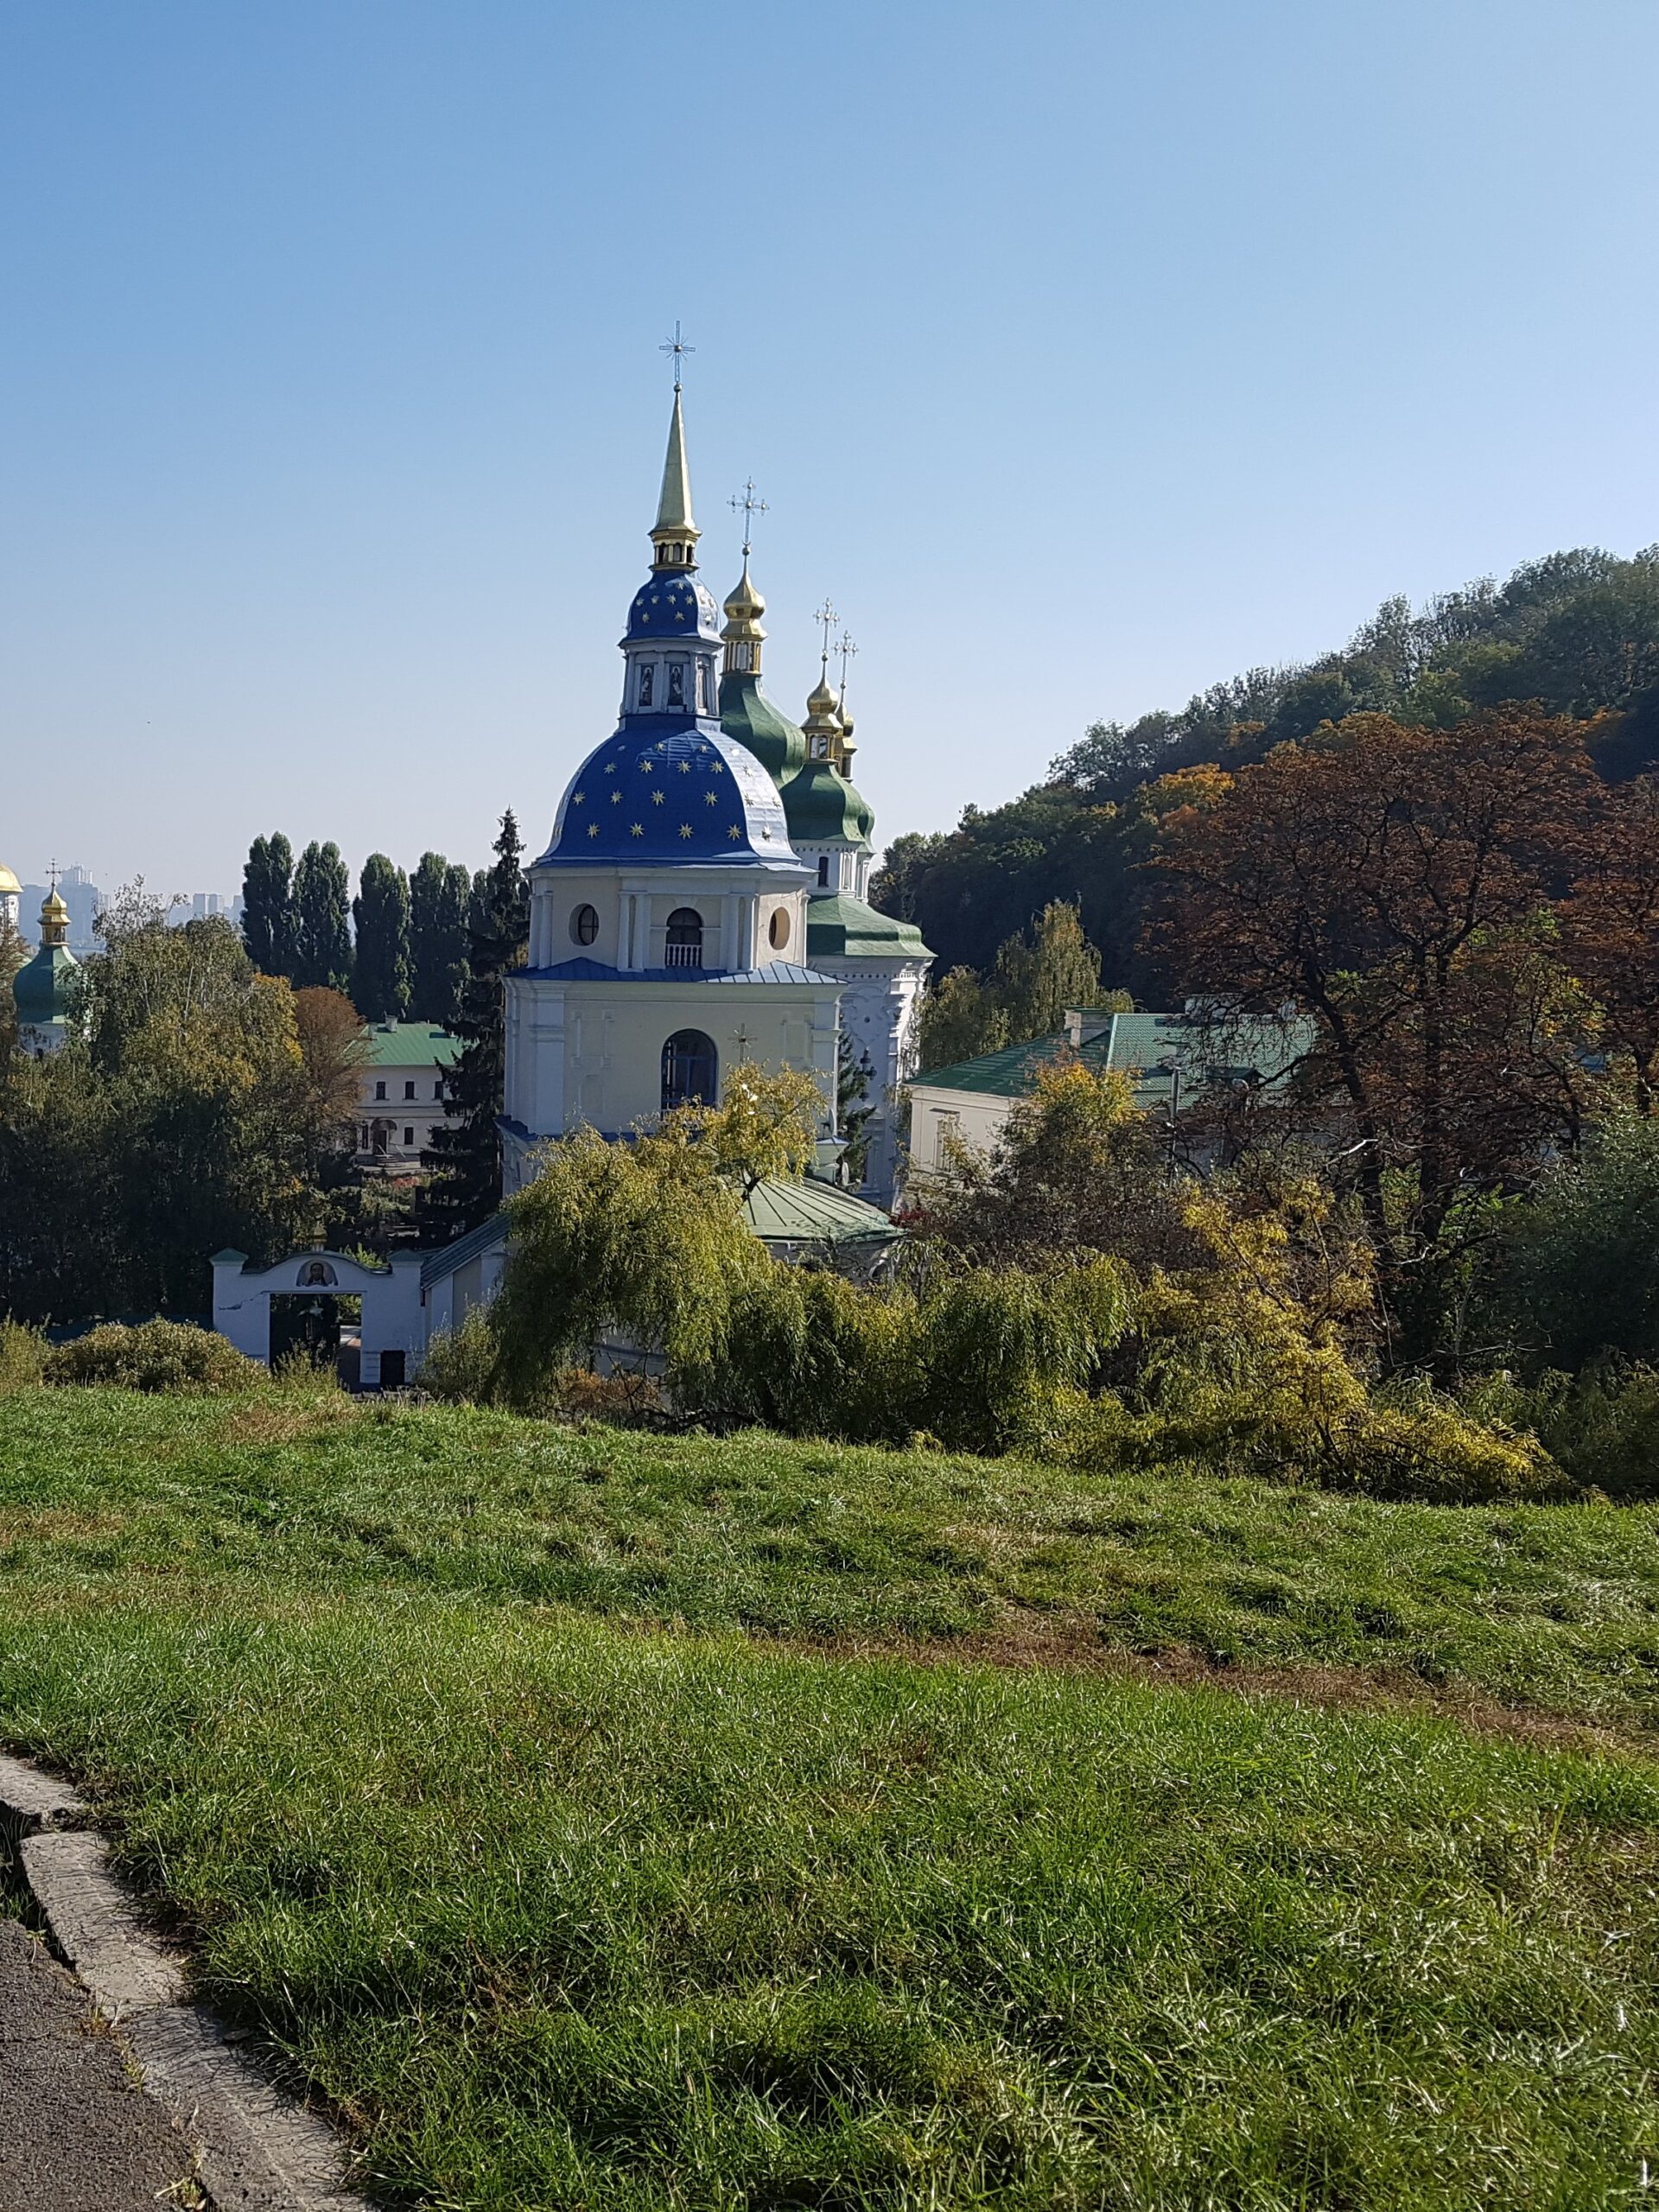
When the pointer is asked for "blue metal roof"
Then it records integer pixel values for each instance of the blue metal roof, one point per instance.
(686, 796)
(672, 607)
(595, 971)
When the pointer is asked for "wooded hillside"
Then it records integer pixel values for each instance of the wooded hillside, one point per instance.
(1578, 632)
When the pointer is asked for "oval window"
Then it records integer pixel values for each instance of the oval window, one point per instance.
(584, 924)
(778, 931)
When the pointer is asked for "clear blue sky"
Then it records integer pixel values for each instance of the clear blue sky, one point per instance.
(1086, 353)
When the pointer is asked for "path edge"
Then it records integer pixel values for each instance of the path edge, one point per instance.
(257, 2149)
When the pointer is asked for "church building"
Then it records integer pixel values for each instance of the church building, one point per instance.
(699, 903)
(43, 988)
(880, 965)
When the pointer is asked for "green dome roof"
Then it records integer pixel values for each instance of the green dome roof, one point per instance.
(822, 808)
(748, 716)
(41, 986)
(838, 927)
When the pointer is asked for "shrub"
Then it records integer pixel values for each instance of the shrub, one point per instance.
(1602, 1426)
(1579, 1265)
(160, 1356)
(1247, 1365)
(626, 1400)
(22, 1356)
(461, 1364)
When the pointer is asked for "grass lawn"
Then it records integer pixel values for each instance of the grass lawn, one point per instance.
(450, 1739)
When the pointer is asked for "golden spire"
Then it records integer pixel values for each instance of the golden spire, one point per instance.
(674, 534)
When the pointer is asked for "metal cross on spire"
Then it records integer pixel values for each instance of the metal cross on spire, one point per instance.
(677, 347)
(848, 651)
(52, 875)
(828, 616)
(744, 503)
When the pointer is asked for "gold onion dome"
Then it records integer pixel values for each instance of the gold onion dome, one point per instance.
(821, 719)
(10, 885)
(746, 604)
(54, 913)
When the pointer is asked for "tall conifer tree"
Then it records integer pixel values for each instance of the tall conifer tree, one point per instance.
(380, 974)
(440, 895)
(465, 1157)
(323, 932)
(268, 905)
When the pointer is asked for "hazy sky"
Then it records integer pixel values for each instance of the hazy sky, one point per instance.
(1085, 354)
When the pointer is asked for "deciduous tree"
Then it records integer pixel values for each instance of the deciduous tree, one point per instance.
(1610, 923)
(268, 916)
(322, 930)
(440, 894)
(1387, 882)
(380, 968)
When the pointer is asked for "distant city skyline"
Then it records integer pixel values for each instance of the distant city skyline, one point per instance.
(1083, 357)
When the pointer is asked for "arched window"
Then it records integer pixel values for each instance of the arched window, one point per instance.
(647, 675)
(690, 1069)
(676, 683)
(684, 943)
(777, 929)
(584, 924)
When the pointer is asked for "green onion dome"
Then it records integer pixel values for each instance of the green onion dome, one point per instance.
(750, 718)
(822, 808)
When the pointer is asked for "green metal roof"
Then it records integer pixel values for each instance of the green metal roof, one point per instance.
(41, 986)
(812, 1212)
(839, 926)
(435, 1265)
(411, 1045)
(1011, 1072)
(1153, 1047)
(822, 808)
(749, 716)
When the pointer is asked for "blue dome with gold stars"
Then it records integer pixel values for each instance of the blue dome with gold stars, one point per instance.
(687, 797)
(670, 606)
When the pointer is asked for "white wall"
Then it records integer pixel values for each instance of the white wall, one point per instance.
(592, 1052)
(392, 1316)
(976, 1116)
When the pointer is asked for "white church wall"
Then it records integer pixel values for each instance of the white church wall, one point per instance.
(627, 910)
(593, 1052)
(880, 1010)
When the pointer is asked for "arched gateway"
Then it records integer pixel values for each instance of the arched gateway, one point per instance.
(264, 1310)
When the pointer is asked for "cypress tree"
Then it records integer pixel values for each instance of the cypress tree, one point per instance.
(380, 974)
(440, 896)
(268, 905)
(322, 929)
(465, 1158)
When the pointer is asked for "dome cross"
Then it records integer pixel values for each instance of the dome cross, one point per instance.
(849, 651)
(748, 507)
(677, 347)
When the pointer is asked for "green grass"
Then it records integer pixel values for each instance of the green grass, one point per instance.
(442, 1736)
(1553, 1606)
